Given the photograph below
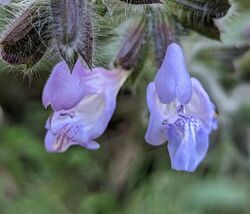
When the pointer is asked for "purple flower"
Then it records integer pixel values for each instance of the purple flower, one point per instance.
(4, 2)
(83, 104)
(172, 80)
(185, 125)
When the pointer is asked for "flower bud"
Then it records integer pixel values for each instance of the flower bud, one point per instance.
(164, 33)
(134, 47)
(26, 39)
(73, 30)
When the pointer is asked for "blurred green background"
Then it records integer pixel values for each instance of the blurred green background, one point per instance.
(126, 175)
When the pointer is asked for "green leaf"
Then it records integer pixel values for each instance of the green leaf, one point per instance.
(199, 15)
(203, 9)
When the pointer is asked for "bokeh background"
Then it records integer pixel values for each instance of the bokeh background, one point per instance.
(126, 175)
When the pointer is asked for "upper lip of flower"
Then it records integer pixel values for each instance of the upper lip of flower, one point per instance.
(172, 80)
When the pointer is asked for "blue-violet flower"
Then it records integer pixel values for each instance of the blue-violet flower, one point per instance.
(4, 2)
(83, 102)
(187, 120)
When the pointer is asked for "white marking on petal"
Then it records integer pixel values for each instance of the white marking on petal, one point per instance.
(90, 109)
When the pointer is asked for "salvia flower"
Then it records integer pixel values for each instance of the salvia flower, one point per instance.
(185, 125)
(83, 102)
(4, 2)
